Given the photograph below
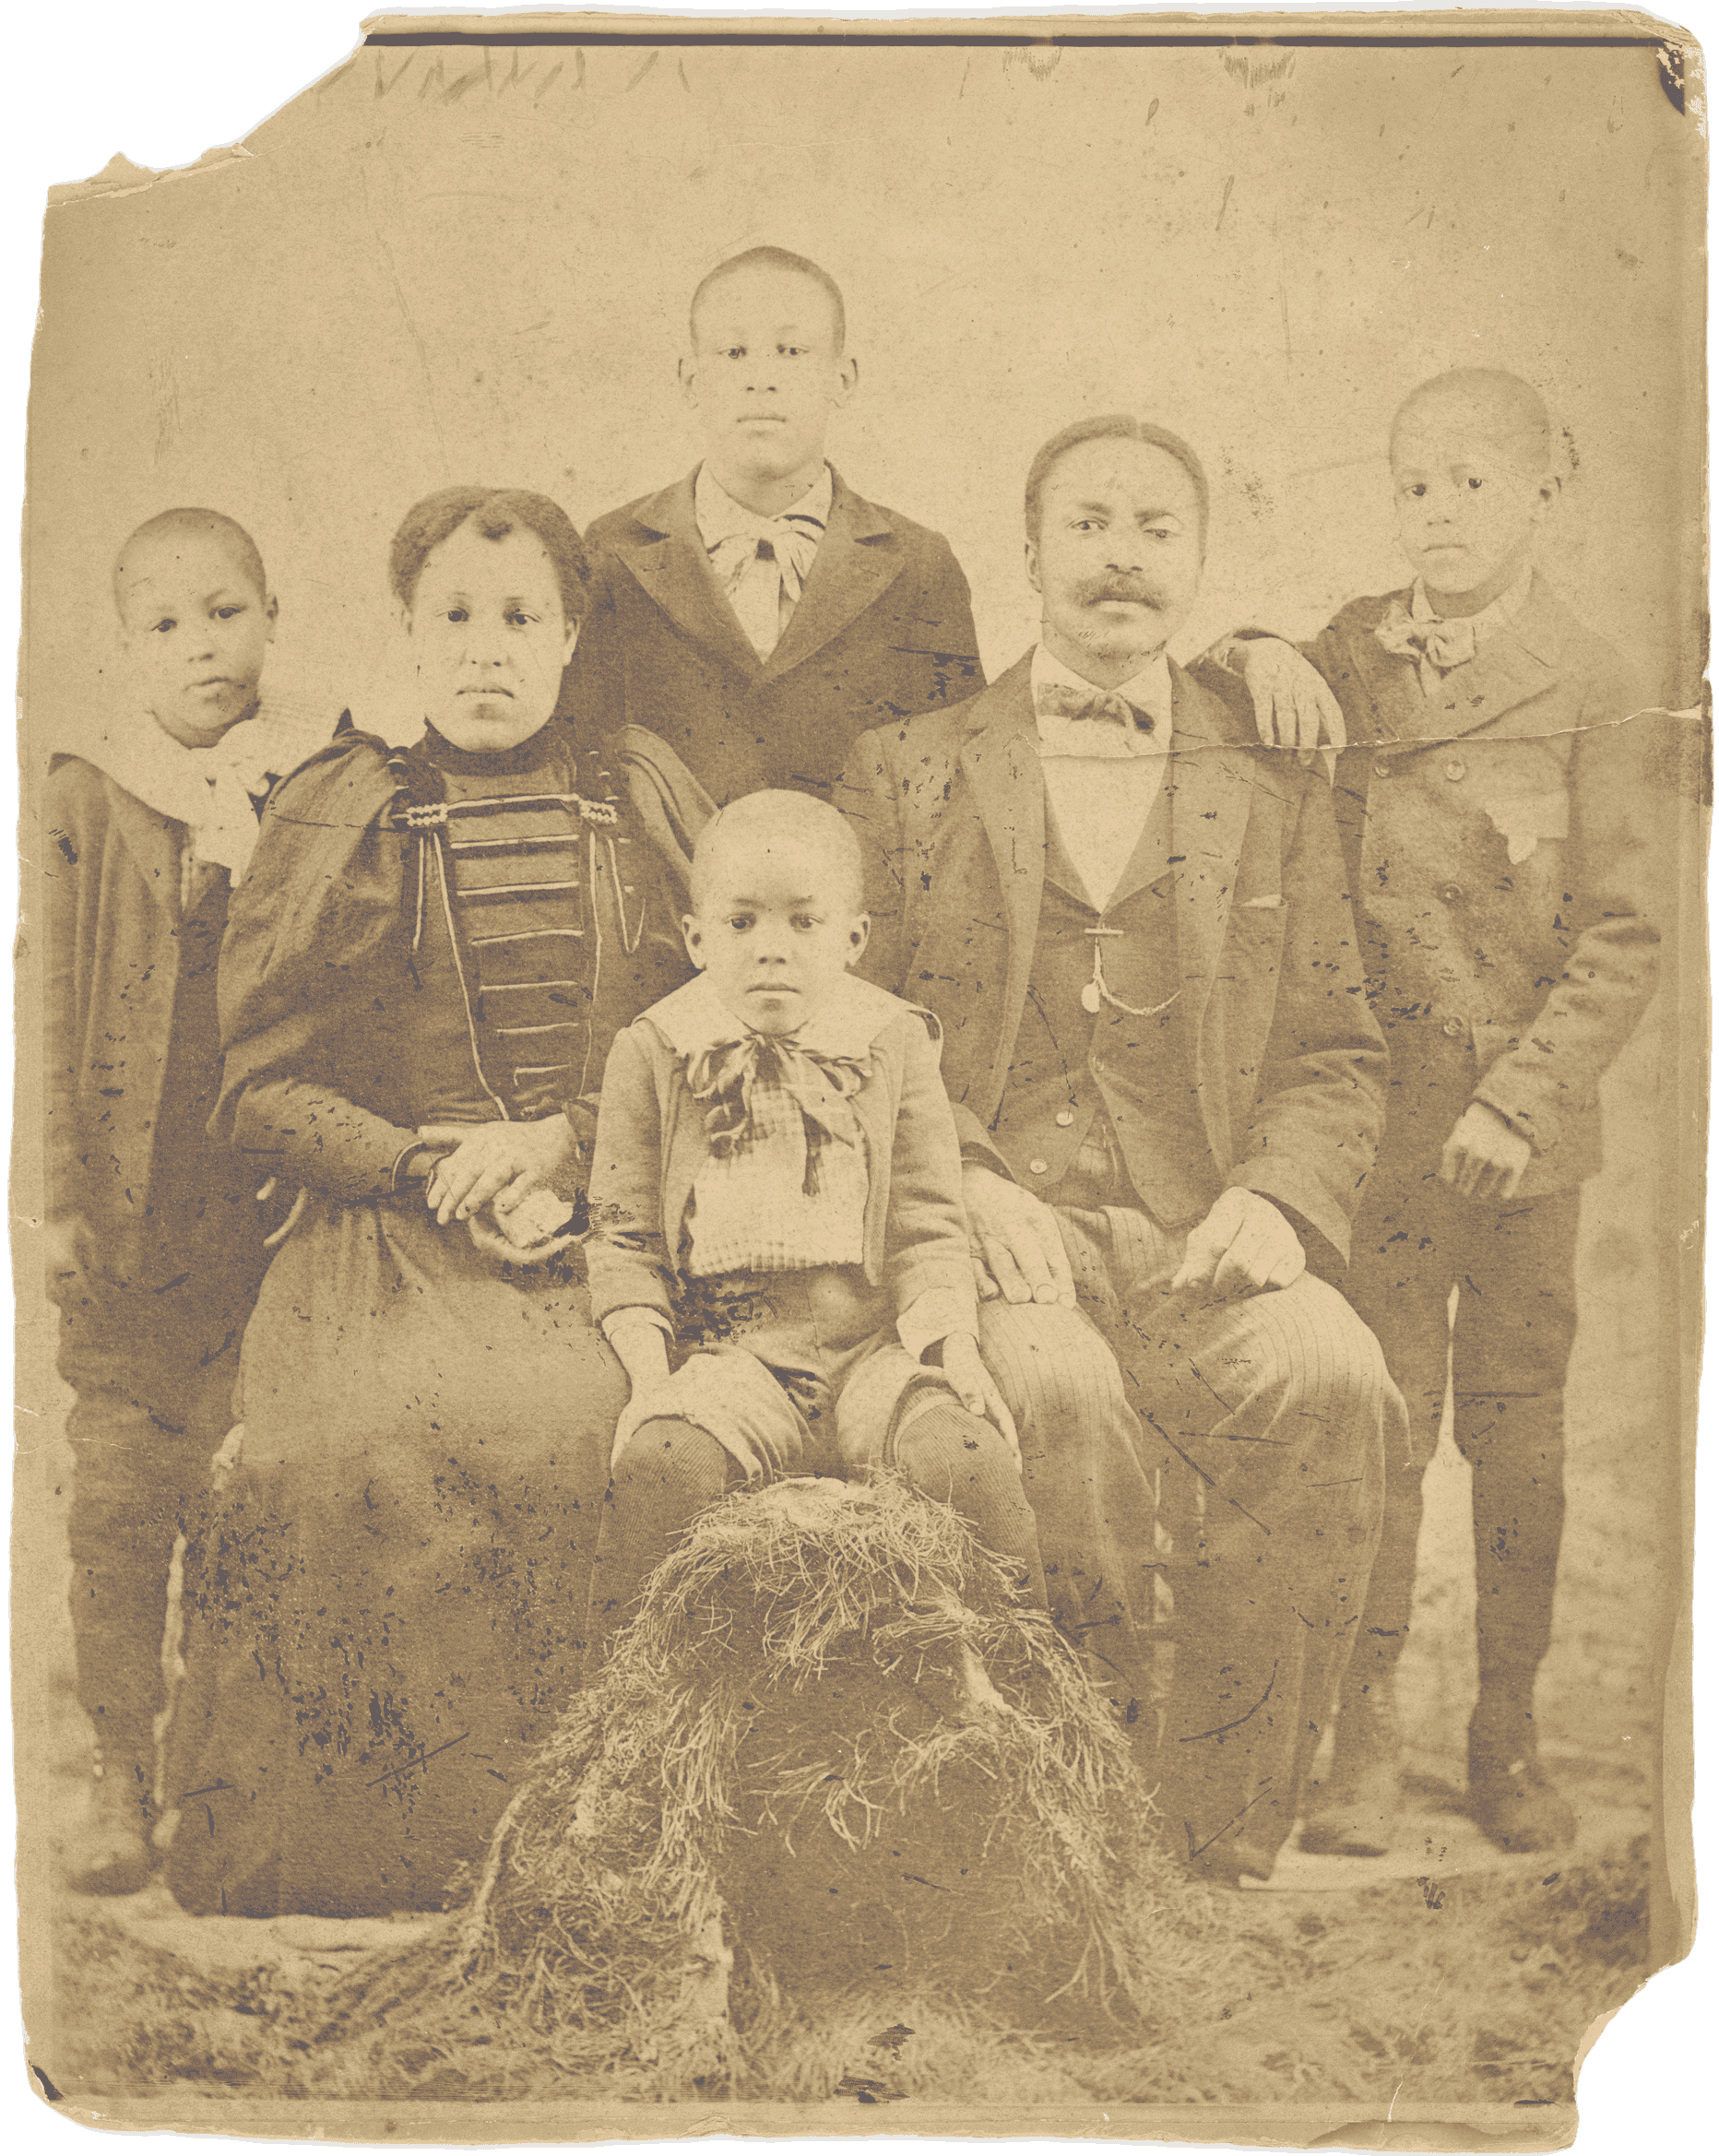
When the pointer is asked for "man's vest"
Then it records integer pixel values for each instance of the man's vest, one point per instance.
(1073, 1065)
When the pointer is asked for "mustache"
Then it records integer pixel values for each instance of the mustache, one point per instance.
(1090, 589)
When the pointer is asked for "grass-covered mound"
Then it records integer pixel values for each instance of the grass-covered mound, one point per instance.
(833, 1749)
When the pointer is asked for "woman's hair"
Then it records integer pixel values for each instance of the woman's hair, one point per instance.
(496, 510)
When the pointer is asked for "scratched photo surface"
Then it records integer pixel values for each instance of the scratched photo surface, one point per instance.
(854, 1098)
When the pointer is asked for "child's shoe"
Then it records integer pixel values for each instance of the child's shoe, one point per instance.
(1512, 1798)
(108, 1852)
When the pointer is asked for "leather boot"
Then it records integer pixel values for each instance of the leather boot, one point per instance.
(1512, 1798)
(108, 1852)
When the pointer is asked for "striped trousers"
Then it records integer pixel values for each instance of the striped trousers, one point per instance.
(1279, 1408)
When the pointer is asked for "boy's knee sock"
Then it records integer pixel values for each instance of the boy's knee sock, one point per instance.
(1517, 1450)
(963, 1461)
(669, 1472)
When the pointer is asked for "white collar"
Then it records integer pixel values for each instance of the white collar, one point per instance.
(1148, 691)
(1502, 612)
(695, 1018)
(719, 517)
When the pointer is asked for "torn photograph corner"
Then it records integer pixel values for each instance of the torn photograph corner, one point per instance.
(863, 1062)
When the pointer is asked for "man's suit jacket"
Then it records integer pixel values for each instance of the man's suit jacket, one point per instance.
(1502, 839)
(884, 629)
(1289, 1063)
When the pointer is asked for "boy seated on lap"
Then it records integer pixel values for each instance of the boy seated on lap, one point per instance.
(779, 1255)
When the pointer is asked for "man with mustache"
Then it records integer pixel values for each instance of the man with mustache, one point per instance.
(1130, 919)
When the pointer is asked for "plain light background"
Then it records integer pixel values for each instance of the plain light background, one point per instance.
(442, 267)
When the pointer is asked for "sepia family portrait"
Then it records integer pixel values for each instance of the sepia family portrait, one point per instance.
(862, 1058)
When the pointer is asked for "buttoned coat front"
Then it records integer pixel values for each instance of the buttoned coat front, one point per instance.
(1289, 1064)
(1502, 839)
(884, 629)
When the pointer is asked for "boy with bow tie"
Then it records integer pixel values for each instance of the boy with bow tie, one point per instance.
(758, 616)
(1496, 800)
(156, 1247)
(778, 1255)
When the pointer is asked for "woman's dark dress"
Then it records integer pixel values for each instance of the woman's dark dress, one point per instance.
(385, 1598)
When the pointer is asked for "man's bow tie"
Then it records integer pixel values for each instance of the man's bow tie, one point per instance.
(1442, 645)
(1061, 700)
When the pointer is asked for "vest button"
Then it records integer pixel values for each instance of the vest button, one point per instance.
(1454, 1029)
(1451, 893)
(1455, 769)
(1064, 1117)
(1037, 1167)
(1381, 767)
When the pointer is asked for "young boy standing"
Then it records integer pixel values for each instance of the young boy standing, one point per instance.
(1498, 805)
(156, 1246)
(778, 1255)
(758, 616)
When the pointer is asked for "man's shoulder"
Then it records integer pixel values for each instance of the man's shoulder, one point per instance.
(939, 736)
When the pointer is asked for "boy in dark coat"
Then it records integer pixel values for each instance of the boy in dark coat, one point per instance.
(1496, 800)
(156, 1243)
(778, 1253)
(759, 615)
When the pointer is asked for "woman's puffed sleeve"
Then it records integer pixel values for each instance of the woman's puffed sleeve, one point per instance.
(321, 903)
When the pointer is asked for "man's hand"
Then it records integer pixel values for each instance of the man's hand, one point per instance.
(1017, 1246)
(1242, 1247)
(1483, 1156)
(495, 1163)
(1292, 707)
(975, 1387)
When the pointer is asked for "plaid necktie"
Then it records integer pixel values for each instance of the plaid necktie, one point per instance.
(733, 1079)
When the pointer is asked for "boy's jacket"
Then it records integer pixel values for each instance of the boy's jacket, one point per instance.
(1501, 842)
(651, 1143)
(883, 629)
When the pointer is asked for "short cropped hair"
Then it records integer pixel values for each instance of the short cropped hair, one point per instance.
(496, 512)
(1515, 409)
(1112, 427)
(748, 824)
(172, 521)
(772, 259)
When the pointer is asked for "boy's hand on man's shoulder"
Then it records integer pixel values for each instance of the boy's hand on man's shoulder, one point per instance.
(1484, 1158)
(1292, 707)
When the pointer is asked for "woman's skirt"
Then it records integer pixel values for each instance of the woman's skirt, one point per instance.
(385, 1595)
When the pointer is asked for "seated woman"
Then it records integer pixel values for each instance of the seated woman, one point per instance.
(422, 975)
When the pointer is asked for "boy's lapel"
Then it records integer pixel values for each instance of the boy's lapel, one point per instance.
(671, 567)
(858, 558)
(1510, 667)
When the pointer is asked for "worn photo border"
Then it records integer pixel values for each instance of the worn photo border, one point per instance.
(162, 84)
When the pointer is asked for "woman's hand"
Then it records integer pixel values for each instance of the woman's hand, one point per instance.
(495, 1164)
(976, 1389)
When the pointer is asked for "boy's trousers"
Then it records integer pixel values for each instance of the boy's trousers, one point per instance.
(1274, 1405)
(1513, 1270)
(154, 1375)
